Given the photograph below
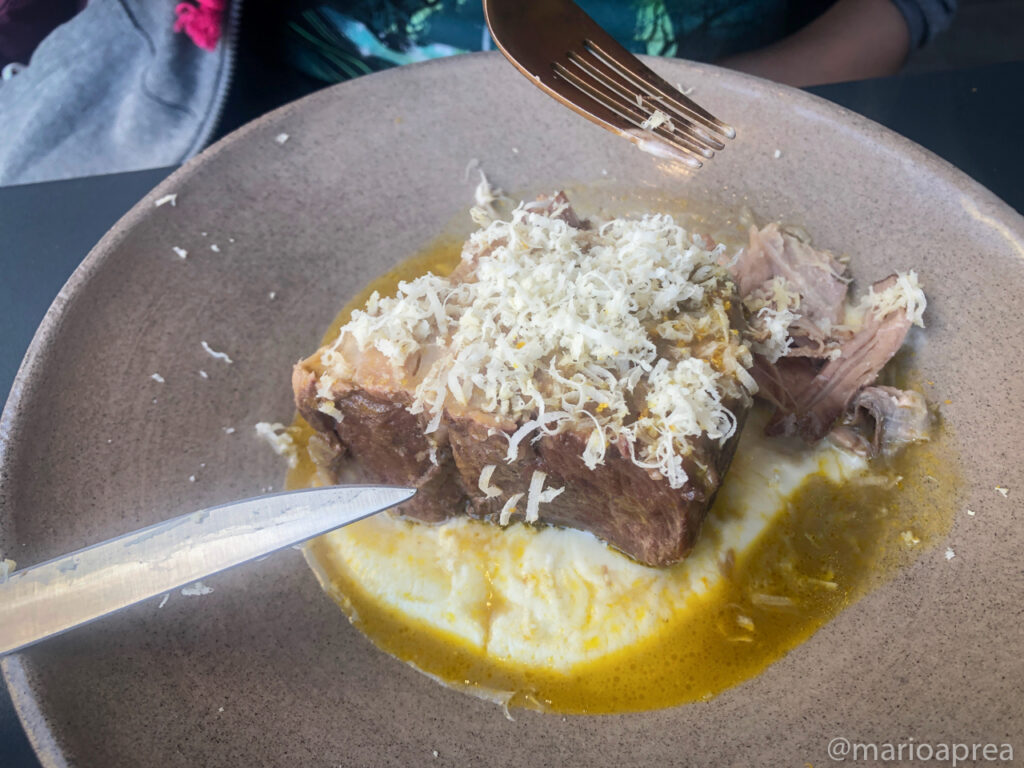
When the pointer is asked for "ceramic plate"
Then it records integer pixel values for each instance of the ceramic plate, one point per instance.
(266, 670)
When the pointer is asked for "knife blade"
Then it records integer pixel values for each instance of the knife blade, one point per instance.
(48, 599)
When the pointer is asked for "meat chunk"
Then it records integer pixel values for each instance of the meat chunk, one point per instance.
(632, 508)
(602, 431)
(817, 406)
(817, 276)
(881, 420)
(809, 364)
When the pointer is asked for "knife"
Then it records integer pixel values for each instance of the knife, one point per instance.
(55, 596)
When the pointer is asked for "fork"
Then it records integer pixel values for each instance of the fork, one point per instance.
(565, 53)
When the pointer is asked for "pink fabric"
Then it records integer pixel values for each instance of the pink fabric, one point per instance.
(203, 23)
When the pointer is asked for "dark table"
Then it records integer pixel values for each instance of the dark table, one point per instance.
(971, 118)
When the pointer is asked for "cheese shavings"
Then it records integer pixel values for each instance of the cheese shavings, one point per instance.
(774, 308)
(488, 490)
(485, 195)
(537, 495)
(279, 437)
(531, 426)
(657, 118)
(198, 589)
(619, 330)
(509, 508)
(905, 293)
(172, 199)
(214, 353)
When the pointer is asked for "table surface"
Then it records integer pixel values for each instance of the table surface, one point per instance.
(971, 118)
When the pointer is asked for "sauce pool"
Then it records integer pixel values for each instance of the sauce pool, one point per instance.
(831, 545)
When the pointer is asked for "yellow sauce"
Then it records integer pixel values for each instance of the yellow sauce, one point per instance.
(830, 547)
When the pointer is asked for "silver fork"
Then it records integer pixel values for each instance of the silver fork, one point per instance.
(565, 53)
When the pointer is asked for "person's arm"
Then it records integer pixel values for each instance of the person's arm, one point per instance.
(852, 40)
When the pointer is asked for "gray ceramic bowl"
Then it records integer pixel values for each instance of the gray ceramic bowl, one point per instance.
(266, 670)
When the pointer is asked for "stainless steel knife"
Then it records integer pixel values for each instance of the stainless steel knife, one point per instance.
(50, 598)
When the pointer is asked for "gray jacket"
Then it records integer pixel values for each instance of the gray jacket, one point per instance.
(114, 89)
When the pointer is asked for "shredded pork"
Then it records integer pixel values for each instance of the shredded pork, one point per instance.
(810, 363)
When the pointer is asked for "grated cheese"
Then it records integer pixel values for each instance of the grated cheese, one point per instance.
(214, 247)
(203, 374)
(213, 353)
(657, 119)
(172, 199)
(157, 378)
(488, 490)
(509, 508)
(773, 308)
(163, 602)
(772, 601)
(905, 294)
(196, 590)
(279, 437)
(562, 327)
(950, 554)
(1004, 492)
(910, 539)
(531, 426)
(485, 195)
(537, 495)
(281, 138)
(182, 253)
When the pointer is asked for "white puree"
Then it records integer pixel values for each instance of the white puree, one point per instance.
(555, 598)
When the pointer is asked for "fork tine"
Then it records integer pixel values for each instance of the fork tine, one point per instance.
(621, 105)
(686, 126)
(581, 101)
(614, 55)
(565, 53)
